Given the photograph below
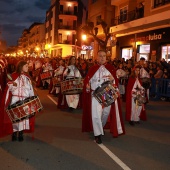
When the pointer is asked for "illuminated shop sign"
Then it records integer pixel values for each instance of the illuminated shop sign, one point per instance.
(150, 37)
(85, 47)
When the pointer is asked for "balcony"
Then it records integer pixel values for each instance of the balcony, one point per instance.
(130, 16)
(68, 13)
(161, 3)
(67, 27)
(155, 21)
(65, 42)
(116, 2)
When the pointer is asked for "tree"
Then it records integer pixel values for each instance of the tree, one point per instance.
(93, 31)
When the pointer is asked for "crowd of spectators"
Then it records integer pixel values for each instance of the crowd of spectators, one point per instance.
(156, 70)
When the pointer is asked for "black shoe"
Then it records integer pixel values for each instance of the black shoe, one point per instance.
(20, 136)
(137, 122)
(14, 136)
(98, 139)
(131, 123)
(71, 109)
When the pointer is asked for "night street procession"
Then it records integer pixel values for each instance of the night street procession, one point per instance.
(85, 84)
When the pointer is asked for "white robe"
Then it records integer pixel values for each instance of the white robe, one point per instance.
(136, 110)
(72, 100)
(99, 114)
(23, 90)
(57, 73)
(47, 68)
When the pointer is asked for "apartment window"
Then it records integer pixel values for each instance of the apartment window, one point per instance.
(166, 52)
(60, 52)
(158, 3)
(98, 18)
(61, 9)
(60, 38)
(51, 14)
(46, 18)
(123, 14)
(75, 10)
(93, 1)
(60, 23)
(74, 24)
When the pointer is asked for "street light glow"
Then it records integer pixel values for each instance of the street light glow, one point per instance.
(49, 45)
(37, 49)
(84, 37)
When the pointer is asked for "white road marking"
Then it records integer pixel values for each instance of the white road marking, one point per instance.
(114, 157)
(104, 148)
(52, 100)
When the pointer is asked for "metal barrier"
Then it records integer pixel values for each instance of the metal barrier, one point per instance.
(160, 88)
(164, 87)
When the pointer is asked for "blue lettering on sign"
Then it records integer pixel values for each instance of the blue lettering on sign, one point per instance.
(85, 47)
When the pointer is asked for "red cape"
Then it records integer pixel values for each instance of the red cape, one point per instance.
(130, 85)
(86, 117)
(5, 122)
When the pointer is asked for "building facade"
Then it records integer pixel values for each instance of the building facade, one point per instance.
(3, 46)
(36, 39)
(32, 41)
(99, 9)
(142, 29)
(63, 19)
(138, 28)
(23, 43)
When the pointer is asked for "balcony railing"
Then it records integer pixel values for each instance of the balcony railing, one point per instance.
(67, 27)
(129, 16)
(65, 42)
(68, 12)
(163, 2)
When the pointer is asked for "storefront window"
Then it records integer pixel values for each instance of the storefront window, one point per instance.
(144, 48)
(143, 52)
(166, 52)
(127, 53)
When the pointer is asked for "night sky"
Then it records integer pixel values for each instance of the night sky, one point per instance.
(17, 15)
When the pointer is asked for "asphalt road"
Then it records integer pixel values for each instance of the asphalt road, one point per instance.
(59, 144)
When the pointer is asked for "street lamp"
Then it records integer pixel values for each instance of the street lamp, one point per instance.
(47, 49)
(49, 45)
(84, 38)
(27, 52)
(37, 50)
(21, 53)
(76, 47)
